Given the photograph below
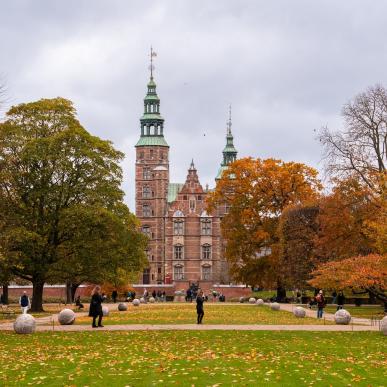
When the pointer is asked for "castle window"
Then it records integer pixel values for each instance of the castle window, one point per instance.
(199, 197)
(178, 227)
(151, 153)
(146, 192)
(178, 272)
(192, 205)
(178, 251)
(146, 210)
(206, 251)
(146, 173)
(206, 227)
(147, 231)
(206, 273)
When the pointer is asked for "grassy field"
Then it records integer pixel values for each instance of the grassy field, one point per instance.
(360, 311)
(192, 358)
(214, 314)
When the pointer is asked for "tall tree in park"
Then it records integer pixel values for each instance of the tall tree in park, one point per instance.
(112, 252)
(297, 231)
(50, 167)
(347, 218)
(256, 192)
(360, 273)
(360, 149)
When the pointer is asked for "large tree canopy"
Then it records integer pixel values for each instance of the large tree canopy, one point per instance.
(54, 175)
(368, 273)
(256, 192)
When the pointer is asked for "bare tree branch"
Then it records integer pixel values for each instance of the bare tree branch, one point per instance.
(361, 147)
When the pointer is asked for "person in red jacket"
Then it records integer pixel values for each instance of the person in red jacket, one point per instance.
(321, 302)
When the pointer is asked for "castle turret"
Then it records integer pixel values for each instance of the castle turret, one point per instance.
(152, 179)
(229, 151)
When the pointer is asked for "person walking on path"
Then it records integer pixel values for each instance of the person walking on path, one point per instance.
(199, 306)
(340, 300)
(114, 295)
(96, 307)
(24, 303)
(320, 304)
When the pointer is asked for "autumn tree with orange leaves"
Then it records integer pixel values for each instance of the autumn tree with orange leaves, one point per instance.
(256, 192)
(361, 273)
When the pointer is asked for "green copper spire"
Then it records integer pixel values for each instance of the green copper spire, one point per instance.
(152, 124)
(229, 151)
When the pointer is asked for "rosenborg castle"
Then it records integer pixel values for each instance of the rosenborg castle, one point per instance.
(185, 243)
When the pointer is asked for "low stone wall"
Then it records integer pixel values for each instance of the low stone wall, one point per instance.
(49, 291)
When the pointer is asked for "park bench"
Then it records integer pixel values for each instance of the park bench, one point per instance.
(6, 311)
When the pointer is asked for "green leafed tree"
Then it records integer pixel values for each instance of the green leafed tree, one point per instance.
(57, 184)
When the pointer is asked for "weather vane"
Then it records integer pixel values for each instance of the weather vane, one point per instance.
(152, 67)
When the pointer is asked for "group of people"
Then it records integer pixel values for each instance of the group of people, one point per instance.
(97, 298)
(321, 302)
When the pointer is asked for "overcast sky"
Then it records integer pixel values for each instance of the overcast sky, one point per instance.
(287, 67)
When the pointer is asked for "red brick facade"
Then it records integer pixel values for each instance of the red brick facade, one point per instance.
(185, 242)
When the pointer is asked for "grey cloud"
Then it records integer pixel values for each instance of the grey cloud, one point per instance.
(287, 67)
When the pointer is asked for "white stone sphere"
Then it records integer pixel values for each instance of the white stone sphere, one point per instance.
(143, 300)
(275, 306)
(241, 299)
(66, 317)
(105, 311)
(24, 324)
(299, 312)
(383, 325)
(122, 307)
(260, 302)
(152, 300)
(136, 302)
(252, 300)
(342, 317)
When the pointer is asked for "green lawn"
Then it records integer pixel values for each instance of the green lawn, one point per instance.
(213, 314)
(193, 358)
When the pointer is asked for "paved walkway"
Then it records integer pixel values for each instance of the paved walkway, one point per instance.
(50, 323)
(195, 327)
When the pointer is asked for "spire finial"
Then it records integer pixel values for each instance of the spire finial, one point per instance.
(152, 67)
(192, 166)
(229, 123)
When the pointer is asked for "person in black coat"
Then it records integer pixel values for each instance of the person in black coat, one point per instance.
(340, 300)
(95, 309)
(199, 306)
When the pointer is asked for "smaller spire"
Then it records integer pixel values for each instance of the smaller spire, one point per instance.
(192, 166)
(152, 67)
(229, 123)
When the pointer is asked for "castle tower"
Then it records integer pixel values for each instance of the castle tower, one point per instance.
(229, 151)
(152, 179)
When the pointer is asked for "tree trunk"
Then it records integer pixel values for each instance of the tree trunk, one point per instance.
(37, 296)
(5, 293)
(68, 293)
(74, 288)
